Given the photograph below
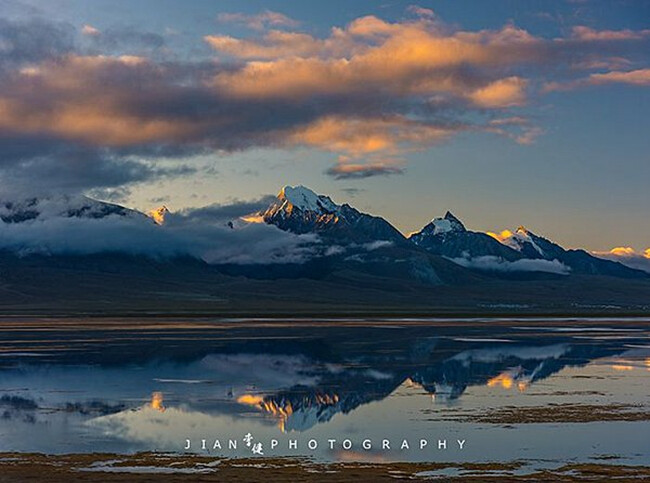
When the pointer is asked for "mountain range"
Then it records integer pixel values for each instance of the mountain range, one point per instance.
(302, 251)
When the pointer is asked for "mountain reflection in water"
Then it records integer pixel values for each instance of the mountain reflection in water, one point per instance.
(147, 386)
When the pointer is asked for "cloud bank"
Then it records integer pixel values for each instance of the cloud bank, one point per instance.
(202, 234)
(628, 257)
(498, 264)
(102, 107)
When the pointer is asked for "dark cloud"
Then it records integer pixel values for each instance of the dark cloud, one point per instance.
(33, 40)
(114, 195)
(71, 169)
(228, 211)
(121, 39)
(352, 191)
(360, 171)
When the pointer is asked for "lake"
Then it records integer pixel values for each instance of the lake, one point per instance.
(545, 391)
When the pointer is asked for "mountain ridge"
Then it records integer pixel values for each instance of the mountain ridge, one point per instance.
(351, 238)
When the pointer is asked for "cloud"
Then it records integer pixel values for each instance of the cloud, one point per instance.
(358, 136)
(90, 30)
(190, 234)
(420, 11)
(377, 245)
(517, 128)
(413, 57)
(639, 77)
(91, 106)
(277, 43)
(225, 212)
(352, 192)
(33, 40)
(260, 21)
(360, 171)
(628, 257)
(580, 32)
(123, 39)
(49, 168)
(506, 92)
(498, 264)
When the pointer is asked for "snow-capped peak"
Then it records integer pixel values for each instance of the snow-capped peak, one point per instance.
(305, 199)
(60, 206)
(158, 215)
(447, 224)
(518, 239)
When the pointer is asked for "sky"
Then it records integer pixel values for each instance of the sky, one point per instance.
(507, 113)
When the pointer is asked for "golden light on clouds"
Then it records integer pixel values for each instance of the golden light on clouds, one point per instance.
(373, 91)
(501, 93)
(628, 256)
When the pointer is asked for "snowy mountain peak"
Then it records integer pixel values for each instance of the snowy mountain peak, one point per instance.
(446, 224)
(61, 206)
(158, 215)
(519, 239)
(304, 199)
(299, 210)
(456, 224)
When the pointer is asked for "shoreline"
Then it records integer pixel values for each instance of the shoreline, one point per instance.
(151, 466)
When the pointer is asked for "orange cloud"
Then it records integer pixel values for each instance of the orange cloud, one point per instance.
(276, 44)
(506, 92)
(84, 107)
(413, 57)
(369, 91)
(360, 136)
(639, 77)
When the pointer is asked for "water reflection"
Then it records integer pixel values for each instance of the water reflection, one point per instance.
(152, 388)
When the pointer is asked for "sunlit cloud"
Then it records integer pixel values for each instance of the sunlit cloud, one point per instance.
(628, 256)
(370, 92)
(358, 136)
(639, 77)
(413, 57)
(506, 92)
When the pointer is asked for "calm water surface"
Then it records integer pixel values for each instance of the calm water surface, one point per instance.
(81, 386)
